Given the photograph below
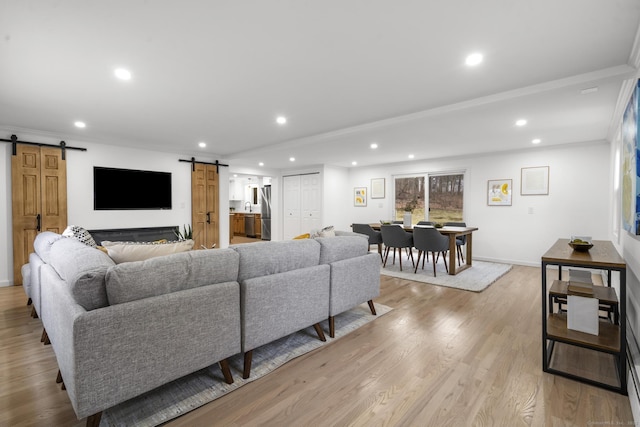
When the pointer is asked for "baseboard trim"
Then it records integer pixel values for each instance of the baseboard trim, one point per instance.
(5, 283)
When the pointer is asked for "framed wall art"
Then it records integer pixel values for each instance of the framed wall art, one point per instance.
(377, 188)
(534, 181)
(499, 192)
(360, 196)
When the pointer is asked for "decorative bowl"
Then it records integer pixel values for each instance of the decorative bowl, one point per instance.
(581, 246)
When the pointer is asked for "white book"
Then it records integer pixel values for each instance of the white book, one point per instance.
(582, 314)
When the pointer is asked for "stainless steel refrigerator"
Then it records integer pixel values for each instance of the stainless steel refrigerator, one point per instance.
(265, 217)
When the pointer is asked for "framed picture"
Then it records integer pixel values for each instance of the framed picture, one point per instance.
(499, 192)
(534, 181)
(360, 196)
(377, 188)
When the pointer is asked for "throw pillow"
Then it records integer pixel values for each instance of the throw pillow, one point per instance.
(325, 232)
(79, 233)
(140, 251)
(302, 236)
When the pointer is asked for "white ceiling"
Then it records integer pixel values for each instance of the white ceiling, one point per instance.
(345, 73)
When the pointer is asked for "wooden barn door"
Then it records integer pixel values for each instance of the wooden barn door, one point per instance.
(205, 205)
(39, 198)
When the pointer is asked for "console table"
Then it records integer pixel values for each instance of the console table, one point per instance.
(612, 335)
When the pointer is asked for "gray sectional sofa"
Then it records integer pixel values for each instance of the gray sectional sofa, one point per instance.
(120, 330)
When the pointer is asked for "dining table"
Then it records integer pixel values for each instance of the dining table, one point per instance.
(451, 232)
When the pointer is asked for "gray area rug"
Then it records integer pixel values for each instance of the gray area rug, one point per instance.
(476, 279)
(188, 393)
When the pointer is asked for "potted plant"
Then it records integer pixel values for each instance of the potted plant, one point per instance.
(186, 234)
(408, 208)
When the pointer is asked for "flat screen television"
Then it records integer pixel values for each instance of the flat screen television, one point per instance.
(128, 189)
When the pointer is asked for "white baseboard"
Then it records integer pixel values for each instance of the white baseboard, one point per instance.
(4, 283)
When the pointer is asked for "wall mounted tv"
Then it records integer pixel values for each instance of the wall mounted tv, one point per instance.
(127, 189)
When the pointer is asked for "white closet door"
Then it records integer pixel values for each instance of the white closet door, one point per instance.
(291, 198)
(311, 203)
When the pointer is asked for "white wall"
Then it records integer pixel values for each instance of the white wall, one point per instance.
(80, 192)
(577, 202)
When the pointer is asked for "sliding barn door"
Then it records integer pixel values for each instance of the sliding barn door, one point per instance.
(39, 198)
(205, 206)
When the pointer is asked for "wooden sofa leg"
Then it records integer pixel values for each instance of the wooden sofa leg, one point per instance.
(29, 301)
(319, 331)
(332, 326)
(63, 387)
(45, 337)
(247, 364)
(372, 307)
(59, 377)
(34, 313)
(224, 367)
(94, 420)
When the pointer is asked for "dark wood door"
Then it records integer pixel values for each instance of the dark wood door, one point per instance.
(39, 199)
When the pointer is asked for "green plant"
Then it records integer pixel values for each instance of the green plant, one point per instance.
(410, 206)
(186, 234)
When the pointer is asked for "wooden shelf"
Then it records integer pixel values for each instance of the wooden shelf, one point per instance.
(605, 295)
(607, 340)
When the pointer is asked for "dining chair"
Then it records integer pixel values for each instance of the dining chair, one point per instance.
(429, 239)
(375, 237)
(460, 240)
(431, 223)
(394, 236)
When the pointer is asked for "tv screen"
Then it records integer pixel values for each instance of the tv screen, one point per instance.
(125, 189)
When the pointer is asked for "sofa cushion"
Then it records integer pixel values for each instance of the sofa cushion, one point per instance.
(84, 269)
(343, 247)
(42, 244)
(140, 251)
(162, 275)
(264, 258)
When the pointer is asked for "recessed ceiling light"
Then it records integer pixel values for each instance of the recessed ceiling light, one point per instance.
(521, 122)
(235, 175)
(536, 141)
(281, 120)
(292, 159)
(202, 144)
(374, 146)
(261, 164)
(474, 59)
(122, 74)
(411, 156)
(80, 124)
(354, 163)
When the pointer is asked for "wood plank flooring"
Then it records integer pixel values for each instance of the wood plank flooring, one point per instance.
(442, 357)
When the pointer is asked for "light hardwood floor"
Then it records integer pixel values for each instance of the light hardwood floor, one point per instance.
(442, 357)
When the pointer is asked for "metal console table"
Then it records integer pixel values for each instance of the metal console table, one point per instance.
(612, 337)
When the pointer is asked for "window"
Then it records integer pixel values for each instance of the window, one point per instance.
(444, 197)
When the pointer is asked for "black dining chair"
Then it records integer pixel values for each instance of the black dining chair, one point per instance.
(394, 236)
(460, 240)
(429, 239)
(431, 223)
(375, 237)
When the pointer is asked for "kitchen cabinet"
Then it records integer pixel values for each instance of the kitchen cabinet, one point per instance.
(258, 226)
(236, 190)
(238, 224)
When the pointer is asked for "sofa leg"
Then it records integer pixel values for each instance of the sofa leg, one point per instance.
(94, 420)
(34, 313)
(372, 307)
(63, 387)
(29, 301)
(224, 367)
(45, 337)
(59, 377)
(332, 326)
(247, 364)
(319, 331)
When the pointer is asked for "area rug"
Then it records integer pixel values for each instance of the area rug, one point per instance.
(476, 279)
(188, 393)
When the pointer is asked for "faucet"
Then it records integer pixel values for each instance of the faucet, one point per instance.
(245, 206)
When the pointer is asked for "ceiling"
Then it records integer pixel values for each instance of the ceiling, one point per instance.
(345, 73)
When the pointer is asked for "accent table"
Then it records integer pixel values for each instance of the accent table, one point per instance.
(612, 337)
